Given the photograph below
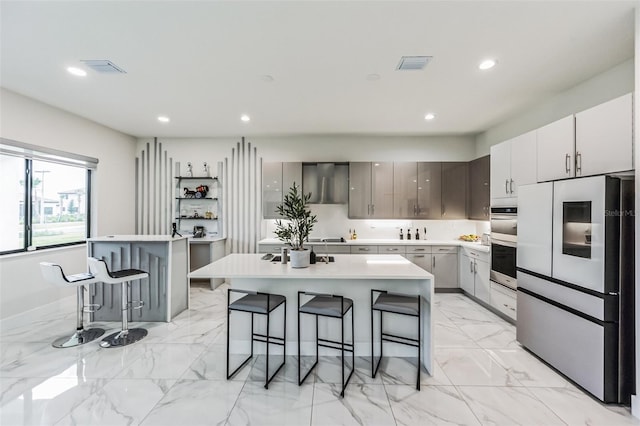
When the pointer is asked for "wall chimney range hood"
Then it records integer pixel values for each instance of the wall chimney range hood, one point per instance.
(327, 182)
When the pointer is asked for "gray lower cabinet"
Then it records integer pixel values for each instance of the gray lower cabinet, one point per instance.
(473, 270)
(479, 188)
(454, 190)
(444, 266)
(364, 249)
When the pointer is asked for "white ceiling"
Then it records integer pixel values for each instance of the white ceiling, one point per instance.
(202, 63)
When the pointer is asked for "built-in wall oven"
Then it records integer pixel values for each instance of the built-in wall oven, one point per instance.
(504, 228)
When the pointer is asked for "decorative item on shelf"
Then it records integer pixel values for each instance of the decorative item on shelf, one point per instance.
(196, 215)
(183, 213)
(299, 223)
(198, 232)
(190, 194)
(189, 170)
(201, 191)
(174, 230)
(205, 170)
(208, 214)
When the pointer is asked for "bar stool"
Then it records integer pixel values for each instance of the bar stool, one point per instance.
(125, 336)
(331, 306)
(53, 274)
(260, 304)
(402, 304)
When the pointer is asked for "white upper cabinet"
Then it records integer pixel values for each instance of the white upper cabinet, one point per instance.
(500, 170)
(513, 163)
(556, 149)
(604, 141)
(523, 161)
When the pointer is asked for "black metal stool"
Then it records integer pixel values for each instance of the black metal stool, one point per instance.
(261, 304)
(331, 306)
(402, 304)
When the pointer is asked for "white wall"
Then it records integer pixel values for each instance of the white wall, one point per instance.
(25, 120)
(608, 85)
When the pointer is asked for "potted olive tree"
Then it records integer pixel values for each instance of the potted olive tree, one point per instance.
(298, 223)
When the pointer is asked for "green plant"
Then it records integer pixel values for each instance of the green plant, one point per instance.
(299, 220)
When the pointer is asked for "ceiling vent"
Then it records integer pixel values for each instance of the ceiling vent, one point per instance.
(413, 62)
(103, 66)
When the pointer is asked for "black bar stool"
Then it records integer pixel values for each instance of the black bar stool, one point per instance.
(126, 335)
(402, 304)
(53, 274)
(261, 304)
(331, 306)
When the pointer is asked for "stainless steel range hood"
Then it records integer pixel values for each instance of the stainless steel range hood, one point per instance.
(327, 182)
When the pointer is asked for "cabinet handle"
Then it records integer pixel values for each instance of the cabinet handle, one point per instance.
(567, 163)
(418, 256)
(419, 249)
(373, 209)
(434, 261)
(475, 267)
(363, 248)
(471, 266)
(368, 209)
(392, 249)
(511, 186)
(506, 186)
(578, 163)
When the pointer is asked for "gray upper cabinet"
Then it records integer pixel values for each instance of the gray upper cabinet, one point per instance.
(416, 190)
(454, 190)
(479, 188)
(371, 190)
(429, 190)
(277, 178)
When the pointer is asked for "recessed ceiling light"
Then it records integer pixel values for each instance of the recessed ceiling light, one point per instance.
(487, 64)
(245, 118)
(77, 71)
(429, 116)
(163, 119)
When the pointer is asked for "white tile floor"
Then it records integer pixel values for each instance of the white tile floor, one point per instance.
(175, 376)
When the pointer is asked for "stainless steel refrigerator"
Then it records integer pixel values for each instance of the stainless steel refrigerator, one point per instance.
(575, 272)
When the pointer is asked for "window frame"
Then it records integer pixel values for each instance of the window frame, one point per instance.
(29, 153)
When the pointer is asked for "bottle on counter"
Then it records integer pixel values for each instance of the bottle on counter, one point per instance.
(354, 235)
(312, 257)
(408, 234)
(401, 234)
(417, 234)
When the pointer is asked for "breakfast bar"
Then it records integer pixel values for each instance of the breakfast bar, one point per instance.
(352, 276)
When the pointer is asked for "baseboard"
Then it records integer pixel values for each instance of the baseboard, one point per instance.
(447, 290)
(64, 305)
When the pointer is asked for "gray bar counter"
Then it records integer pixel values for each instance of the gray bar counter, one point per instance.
(165, 293)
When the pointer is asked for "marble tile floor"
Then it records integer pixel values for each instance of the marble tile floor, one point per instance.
(176, 376)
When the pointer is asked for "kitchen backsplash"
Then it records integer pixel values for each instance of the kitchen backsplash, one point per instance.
(334, 222)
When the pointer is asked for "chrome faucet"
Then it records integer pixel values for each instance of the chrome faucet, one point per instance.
(326, 251)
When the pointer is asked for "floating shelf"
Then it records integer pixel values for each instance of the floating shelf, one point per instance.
(194, 218)
(195, 198)
(197, 177)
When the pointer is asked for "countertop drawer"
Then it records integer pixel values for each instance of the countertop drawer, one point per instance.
(391, 249)
(475, 254)
(418, 249)
(444, 249)
(364, 249)
(504, 300)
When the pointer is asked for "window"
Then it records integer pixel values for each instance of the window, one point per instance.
(45, 198)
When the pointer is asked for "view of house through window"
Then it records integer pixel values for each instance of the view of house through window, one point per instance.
(54, 212)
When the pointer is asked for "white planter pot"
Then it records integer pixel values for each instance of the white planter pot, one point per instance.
(299, 258)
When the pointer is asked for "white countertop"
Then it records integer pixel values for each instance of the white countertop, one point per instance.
(205, 240)
(381, 242)
(346, 266)
(137, 238)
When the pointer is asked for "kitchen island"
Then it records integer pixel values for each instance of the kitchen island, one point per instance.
(165, 293)
(351, 276)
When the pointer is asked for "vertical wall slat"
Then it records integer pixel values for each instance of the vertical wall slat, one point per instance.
(154, 186)
(136, 195)
(142, 192)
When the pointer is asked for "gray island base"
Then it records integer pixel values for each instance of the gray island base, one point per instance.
(165, 293)
(351, 276)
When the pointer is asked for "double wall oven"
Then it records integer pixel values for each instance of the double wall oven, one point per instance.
(504, 228)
